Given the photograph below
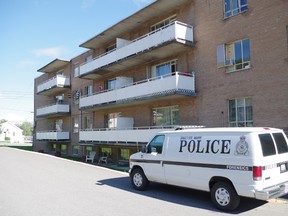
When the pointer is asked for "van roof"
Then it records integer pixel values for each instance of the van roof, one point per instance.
(226, 129)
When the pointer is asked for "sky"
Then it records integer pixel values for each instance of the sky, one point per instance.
(35, 32)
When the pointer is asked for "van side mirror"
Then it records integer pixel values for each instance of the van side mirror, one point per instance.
(144, 149)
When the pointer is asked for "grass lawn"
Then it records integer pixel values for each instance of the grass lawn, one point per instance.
(27, 148)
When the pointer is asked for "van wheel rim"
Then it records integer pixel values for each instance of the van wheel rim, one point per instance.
(138, 180)
(222, 196)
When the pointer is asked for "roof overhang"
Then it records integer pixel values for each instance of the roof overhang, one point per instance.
(53, 66)
(152, 11)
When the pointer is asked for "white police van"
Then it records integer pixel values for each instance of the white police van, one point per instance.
(227, 162)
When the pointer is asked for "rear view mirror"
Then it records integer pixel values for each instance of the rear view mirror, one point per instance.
(144, 149)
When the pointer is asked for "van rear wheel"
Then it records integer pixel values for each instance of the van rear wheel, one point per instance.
(139, 180)
(224, 196)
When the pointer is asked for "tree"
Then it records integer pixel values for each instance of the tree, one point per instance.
(1, 122)
(27, 128)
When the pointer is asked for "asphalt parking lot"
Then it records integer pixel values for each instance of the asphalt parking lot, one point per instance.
(38, 184)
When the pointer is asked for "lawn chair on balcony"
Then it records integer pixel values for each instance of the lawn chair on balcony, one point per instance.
(104, 159)
(91, 156)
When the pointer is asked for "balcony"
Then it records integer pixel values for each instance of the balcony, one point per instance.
(137, 135)
(132, 135)
(53, 135)
(53, 110)
(54, 85)
(173, 84)
(173, 38)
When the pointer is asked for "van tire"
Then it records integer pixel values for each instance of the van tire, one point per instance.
(139, 180)
(224, 196)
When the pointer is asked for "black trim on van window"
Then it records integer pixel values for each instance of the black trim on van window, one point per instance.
(213, 166)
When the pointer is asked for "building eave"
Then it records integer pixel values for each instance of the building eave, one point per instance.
(53, 66)
(151, 11)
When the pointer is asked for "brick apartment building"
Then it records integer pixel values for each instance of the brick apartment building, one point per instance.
(216, 63)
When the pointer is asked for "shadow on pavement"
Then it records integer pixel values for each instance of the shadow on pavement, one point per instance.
(181, 196)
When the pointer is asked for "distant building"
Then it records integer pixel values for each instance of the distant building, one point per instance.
(11, 133)
(173, 63)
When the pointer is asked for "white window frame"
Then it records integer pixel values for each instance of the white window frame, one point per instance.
(243, 122)
(111, 84)
(236, 7)
(172, 64)
(89, 90)
(163, 23)
(89, 58)
(75, 125)
(59, 125)
(171, 110)
(87, 122)
(226, 56)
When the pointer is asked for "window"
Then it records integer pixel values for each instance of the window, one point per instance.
(89, 58)
(233, 7)
(111, 84)
(76, 149)
(54, 147)
(111, 120)
(163, 23)
(156, 144)
(125, 154)
(75, 125)
(267, 145)
(106, 152)
(87, 122)
(234, 56)
(281, 143)
(165, 116)
(88, 149)
(76, 70)
(110, 48)
(59, 125)
(164, 68)
(64, 149)
(88, 90)
(59, 99)
(240, 112)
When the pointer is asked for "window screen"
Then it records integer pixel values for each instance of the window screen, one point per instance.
(267, 145)
(281, 143)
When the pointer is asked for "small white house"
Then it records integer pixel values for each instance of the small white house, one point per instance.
(11, 131)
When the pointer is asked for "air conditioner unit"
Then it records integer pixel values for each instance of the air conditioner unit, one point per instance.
(229, 62)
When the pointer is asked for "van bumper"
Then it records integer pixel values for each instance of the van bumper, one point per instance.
(272, 192)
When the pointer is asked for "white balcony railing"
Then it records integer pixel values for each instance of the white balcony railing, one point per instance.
(178, 31)
(52, 135)
(129, 135)
(53, 109)
(57, 81)
(181, 83)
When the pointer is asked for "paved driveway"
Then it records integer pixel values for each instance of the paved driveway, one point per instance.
(37, 184)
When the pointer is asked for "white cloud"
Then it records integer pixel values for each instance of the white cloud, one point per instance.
(27, 63)
(53, 52)
(87, 4)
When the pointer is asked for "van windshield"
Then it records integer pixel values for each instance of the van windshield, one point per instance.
(267, 144)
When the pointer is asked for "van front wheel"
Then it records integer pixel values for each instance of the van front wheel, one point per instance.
(224, 196)
(139, 180)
